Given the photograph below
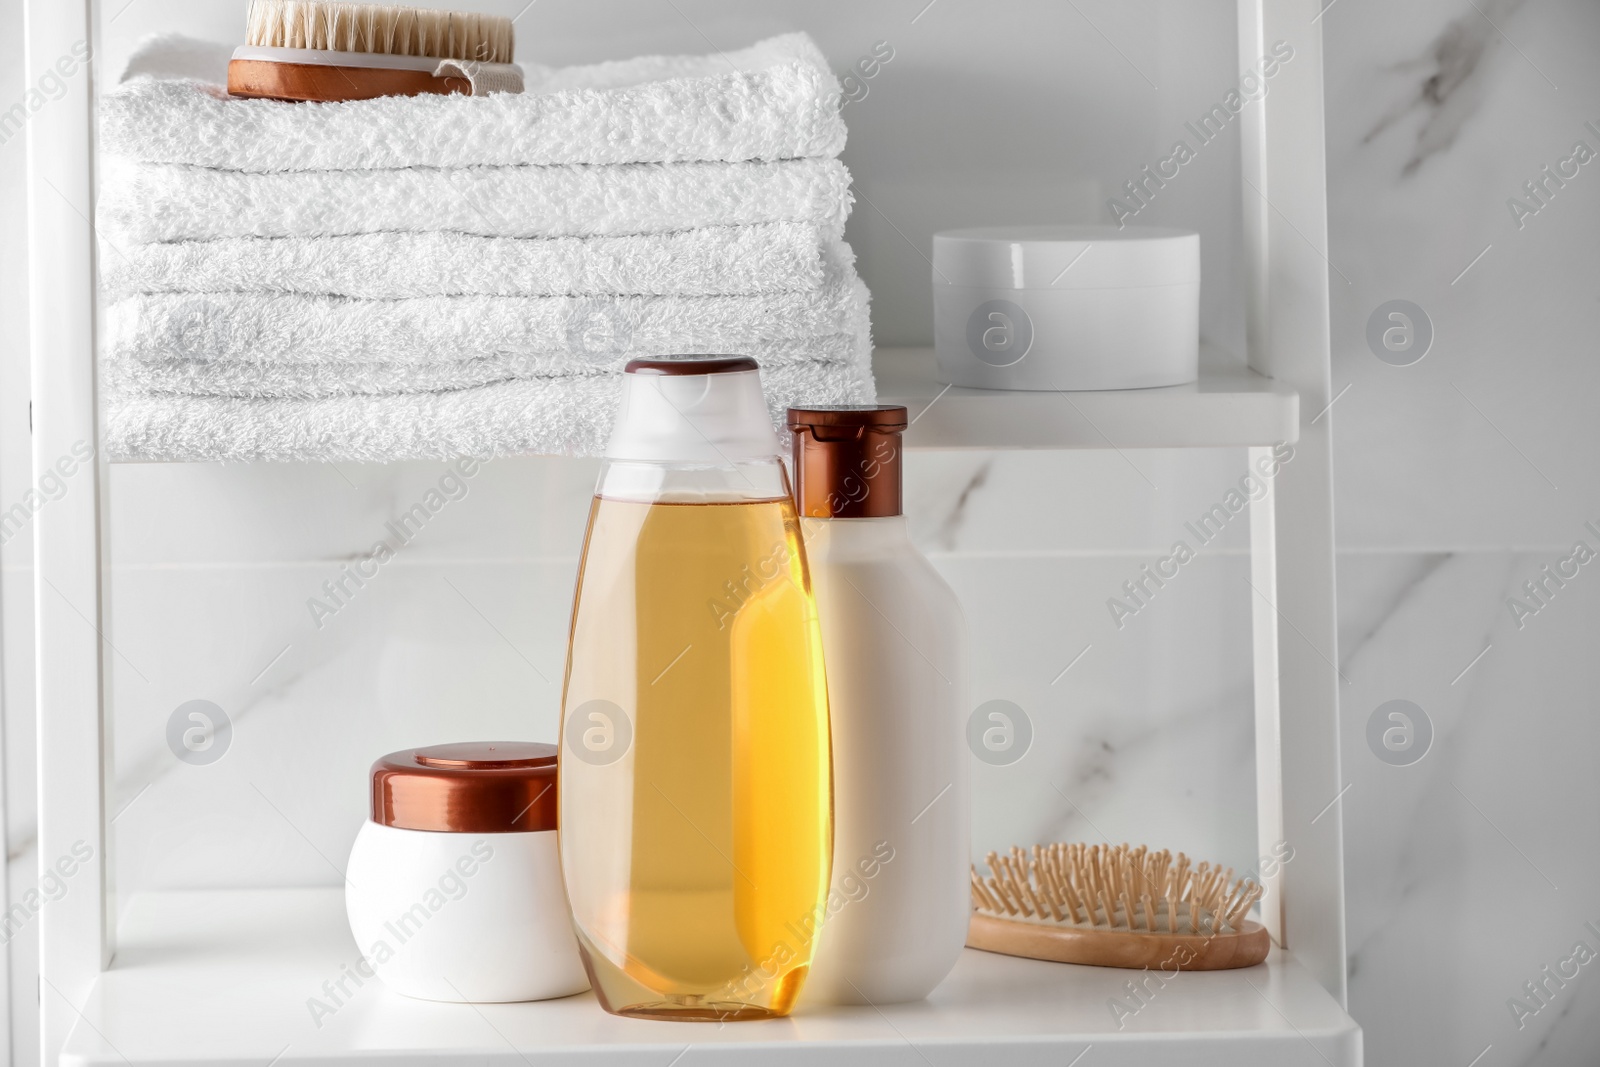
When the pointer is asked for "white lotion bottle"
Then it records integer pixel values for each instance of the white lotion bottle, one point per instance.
(894, 646)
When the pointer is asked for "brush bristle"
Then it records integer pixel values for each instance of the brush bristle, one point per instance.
(1113, 887)
(327, 25)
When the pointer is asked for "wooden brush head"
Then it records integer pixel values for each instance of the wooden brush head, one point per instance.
(333, 26)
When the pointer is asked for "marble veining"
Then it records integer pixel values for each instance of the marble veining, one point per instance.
(1389, 590)
(1452, 85)
(1434, 848)
(950, 528)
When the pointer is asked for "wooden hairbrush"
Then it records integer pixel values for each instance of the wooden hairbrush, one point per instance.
(1115, 906)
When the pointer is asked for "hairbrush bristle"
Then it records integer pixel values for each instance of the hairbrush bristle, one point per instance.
(328, 25)
(1113, 887)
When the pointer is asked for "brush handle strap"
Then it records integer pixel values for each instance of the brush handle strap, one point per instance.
(486, 78)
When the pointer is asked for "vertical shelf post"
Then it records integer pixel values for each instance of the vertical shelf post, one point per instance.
(1286, 238)
(69, 615)
(1269, 728)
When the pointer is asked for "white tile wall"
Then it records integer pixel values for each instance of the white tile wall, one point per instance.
(1457, 478)
(462, 635)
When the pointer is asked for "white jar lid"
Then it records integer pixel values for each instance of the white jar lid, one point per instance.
(1066, 257)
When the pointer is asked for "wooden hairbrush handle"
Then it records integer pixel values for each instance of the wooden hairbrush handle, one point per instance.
(321, 83)
(1134, 949)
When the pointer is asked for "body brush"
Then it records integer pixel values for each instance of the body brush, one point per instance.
(321, 50)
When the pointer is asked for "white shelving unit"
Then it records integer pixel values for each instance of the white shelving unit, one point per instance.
(226, 977)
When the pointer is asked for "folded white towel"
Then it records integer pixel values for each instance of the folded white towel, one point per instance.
(562, 416)
(764, 258)
(143, 202)
(774, 100)
(304, 329)
(247, 378)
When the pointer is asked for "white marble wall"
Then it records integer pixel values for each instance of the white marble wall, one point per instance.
(1467, 871)
(1458, 478)
(461, 636)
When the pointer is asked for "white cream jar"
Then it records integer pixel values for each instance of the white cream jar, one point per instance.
(1067, 307)
(454, 888)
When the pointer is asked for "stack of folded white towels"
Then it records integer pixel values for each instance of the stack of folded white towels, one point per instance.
(434, 277)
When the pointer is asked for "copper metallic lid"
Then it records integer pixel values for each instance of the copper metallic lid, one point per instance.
(481, 787)
(682, 365)
(847, 461)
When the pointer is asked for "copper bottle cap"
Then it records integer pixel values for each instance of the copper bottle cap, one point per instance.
(479, 787)
(847, 461)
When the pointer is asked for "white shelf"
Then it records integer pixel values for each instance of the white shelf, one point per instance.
(1229, 405)
(224, 978)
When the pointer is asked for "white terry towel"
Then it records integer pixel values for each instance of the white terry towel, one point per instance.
(143, 203)
(764, 258)
(774, 100)
(303, 329)
(561, 416)
(249, 378)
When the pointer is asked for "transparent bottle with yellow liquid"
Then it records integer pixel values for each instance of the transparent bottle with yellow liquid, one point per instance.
(695, 782)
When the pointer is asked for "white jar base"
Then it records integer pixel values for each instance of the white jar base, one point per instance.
(463, 917)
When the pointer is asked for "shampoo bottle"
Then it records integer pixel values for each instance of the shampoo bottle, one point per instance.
(894, 640)
(694, 786)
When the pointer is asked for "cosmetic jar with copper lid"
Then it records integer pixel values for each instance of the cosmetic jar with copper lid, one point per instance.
(454, 889)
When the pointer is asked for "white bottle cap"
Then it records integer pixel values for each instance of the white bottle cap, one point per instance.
(707, 410)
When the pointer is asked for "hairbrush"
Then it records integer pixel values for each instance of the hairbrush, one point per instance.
(1115, 906)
